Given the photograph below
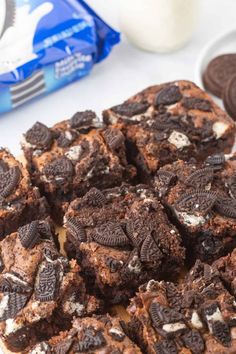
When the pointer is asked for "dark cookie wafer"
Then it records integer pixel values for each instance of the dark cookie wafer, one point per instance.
(218, 72)
(229, 96)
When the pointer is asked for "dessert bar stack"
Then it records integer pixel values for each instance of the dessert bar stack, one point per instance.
(147, 197)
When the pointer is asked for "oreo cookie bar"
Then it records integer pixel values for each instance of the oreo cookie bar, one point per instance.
(101, 334)
(198, 316)
(227, 270)
(20, 203)
(201, 199)
(122, 238)
(171, 121)
(40, 290)
(68, 159)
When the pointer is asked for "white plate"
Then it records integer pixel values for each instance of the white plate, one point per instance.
(222, 44)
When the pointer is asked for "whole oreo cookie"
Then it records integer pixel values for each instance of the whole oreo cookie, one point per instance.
(218, 72)
(229, 97)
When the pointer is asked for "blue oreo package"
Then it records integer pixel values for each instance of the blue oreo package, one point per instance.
(45, 45)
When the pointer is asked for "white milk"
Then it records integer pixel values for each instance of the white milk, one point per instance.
(158, 25)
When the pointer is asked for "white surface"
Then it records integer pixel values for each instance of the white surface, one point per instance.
(221, 44)
(125, 72)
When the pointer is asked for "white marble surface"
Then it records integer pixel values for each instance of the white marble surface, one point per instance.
(126, 71)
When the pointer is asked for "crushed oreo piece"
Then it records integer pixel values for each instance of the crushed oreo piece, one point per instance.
(76, 230)
(47, 282)
(2, 266)
(117, 334)
(200, 178)
(226, 207)
(66, 139)
(29, 234)
(114, 138)
(197, 103)
(39, 136)
(111, 234)
(94, 197)
(149, 251)
(91, 340)
(166, 346)
(163, 180)
(130, 109)
(168, 95)
(232, 186)
(15, 303)
(196, 201)
(83, 120)
(63, 347)
(9, 181)
(113, 264)
(3, 166)
(216, 161)
(194, 341)
(161, 315)
(60, 168)
(221, 332)
(15, 285)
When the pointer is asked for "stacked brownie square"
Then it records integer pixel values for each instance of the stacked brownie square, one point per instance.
(148, 201)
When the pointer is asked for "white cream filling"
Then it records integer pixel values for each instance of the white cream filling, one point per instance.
(195, 320)
(74, 153)
(179, 140)
(116, 331)
(190, 219)
(134, 265)
(70, 306)
(173, 327)
(12, 326)
(3, 304)
(219, 128)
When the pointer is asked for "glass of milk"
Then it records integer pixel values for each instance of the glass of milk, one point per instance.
(158, 25)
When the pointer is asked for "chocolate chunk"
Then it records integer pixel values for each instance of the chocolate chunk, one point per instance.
(196, 201)
(218, 72)
(3, 166)
(200, 178)
(168, 95)
(163, 180)
(83, 119)
(166, 347)
(221, 332)
(39, 136)
(226, 207)
(15, 303)
(59, 168)
(76, 230)
(161, 315)
(150, 251)
(94, 197)
(194, 341)
(91, 340)
(216, 160)
(229, 97)
(114, 138)
(47, 282)
(197, 103)
(9, 181)
(111, 234)
(29, 234)
(130, 109)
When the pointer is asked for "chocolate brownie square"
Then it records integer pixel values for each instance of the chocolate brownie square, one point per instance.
(97, 335)
(68, 159)
(201, 201)
(227, 270)
(171, 121)
(197, 316)
(122, 238)
(20, 203)
(40, 290)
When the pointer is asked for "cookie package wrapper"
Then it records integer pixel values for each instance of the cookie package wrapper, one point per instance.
(46, 45)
